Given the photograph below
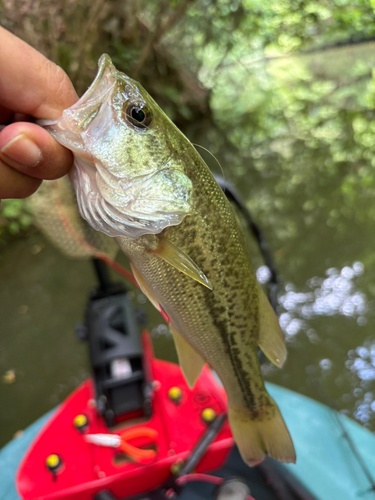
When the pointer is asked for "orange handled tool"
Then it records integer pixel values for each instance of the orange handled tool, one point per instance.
(121, 441)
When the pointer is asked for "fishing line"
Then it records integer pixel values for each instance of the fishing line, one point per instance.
(214, 157)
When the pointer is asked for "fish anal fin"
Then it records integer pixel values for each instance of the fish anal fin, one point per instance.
(191, 362)
(271, 339)
(257, 438)
(144, 288)
(181, 261)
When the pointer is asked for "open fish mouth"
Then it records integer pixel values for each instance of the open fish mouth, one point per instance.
(120, 190)
(74, 120)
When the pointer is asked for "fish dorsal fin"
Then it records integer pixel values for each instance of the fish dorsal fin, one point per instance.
(191, 362)
(271, 339)
(144, 288)
(178, 259)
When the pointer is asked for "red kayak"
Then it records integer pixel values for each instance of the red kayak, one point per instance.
(77, 455)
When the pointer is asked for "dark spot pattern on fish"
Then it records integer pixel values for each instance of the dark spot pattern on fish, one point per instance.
(232, 306)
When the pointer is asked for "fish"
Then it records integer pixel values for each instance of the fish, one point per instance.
(139, 180)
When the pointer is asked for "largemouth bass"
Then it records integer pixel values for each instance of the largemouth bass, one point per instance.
(140, 180)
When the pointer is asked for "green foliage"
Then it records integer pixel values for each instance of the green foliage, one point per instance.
(281, 91)
(303, 124)
(14, 217)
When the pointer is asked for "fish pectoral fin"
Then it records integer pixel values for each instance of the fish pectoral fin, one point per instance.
(178, 259)
(271, 339)
(191, 362)
(144, 288)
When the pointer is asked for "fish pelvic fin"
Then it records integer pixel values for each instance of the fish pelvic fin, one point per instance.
(271, 339)
(181, 261)
(190, 360)
(256, 437)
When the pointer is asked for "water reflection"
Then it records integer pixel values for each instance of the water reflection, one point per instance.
(351, 371)
(161, 331)
(361, 363)
(335, 294)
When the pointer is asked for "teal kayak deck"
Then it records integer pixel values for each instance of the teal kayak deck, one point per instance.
(325, 465)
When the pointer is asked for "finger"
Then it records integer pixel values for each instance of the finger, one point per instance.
(30, 83)
(13, 184)
(31, 150)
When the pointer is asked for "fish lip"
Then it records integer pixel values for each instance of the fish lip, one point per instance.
(104, 62)
(76, 117)
(105, 67)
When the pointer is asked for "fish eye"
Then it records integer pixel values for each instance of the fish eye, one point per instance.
(139, 115)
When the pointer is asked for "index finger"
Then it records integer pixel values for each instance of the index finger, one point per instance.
(29, 82)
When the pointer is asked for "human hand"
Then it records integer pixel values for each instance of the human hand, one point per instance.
(31, 87)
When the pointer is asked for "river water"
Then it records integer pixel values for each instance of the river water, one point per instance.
(326, 312)
(319, 224)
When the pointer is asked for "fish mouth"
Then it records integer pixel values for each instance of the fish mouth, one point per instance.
(75, 120)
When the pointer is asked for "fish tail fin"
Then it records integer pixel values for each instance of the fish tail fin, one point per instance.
(257, 437)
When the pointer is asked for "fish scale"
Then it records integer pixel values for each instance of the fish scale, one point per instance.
(196, 311)
(184, 243)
